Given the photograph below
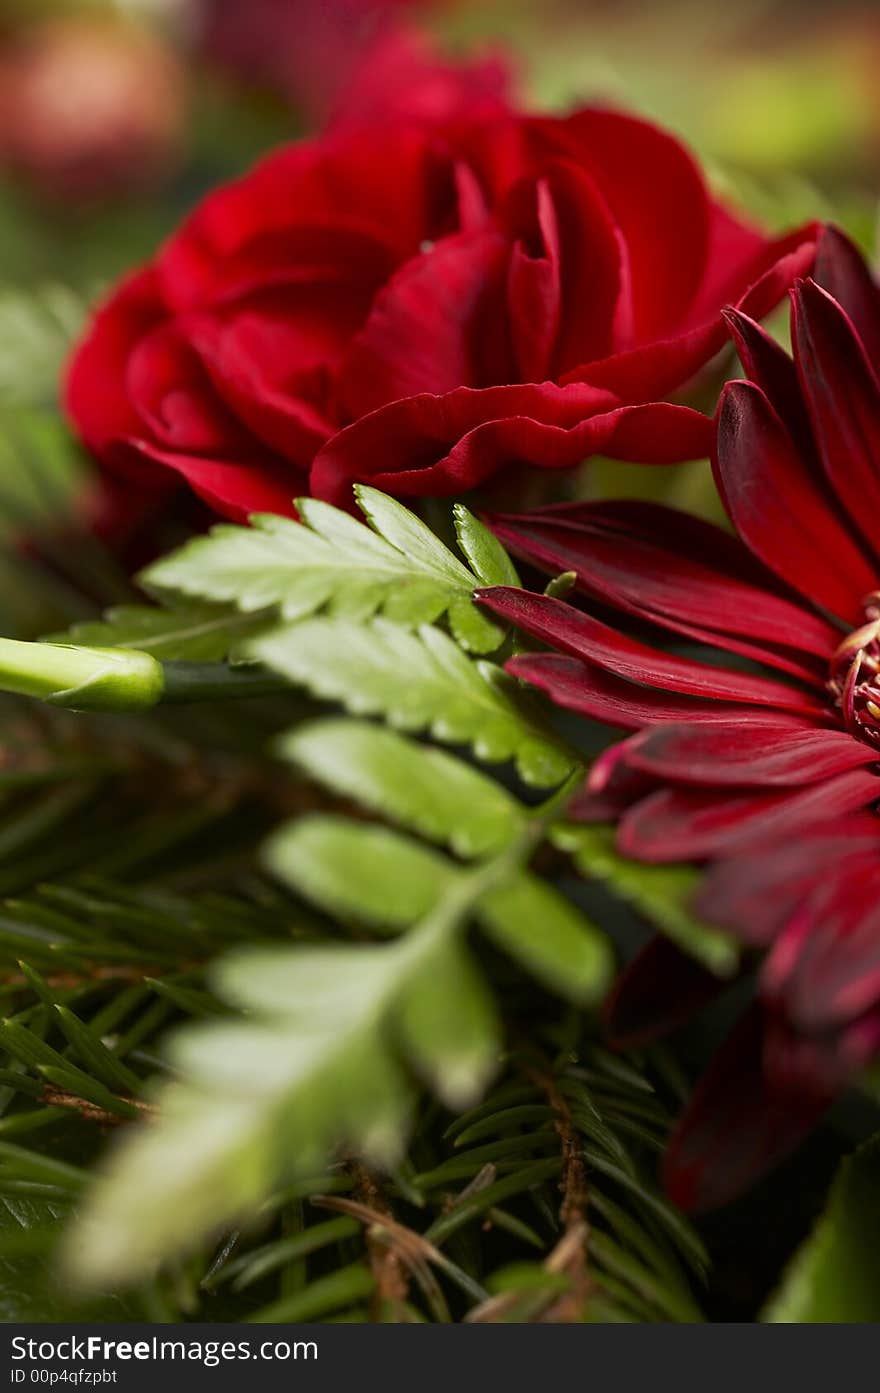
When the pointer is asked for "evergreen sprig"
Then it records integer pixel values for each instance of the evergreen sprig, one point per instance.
(313, 1066)
(433, 947)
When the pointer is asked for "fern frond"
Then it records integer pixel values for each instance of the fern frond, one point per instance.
(424, 789)
(195, 633)
(329, 561)
(418, 681)
(659, 893)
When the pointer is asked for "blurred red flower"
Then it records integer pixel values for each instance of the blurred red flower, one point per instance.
(305, 50)
(89, 107)
(423, 302)
(767, 772)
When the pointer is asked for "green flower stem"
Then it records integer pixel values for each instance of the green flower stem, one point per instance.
(84, 679)
(194, 682)
(121, 679)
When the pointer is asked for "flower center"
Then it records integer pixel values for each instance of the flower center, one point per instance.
(854, 679)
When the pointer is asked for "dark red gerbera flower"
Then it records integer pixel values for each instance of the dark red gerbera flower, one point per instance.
(766, 769)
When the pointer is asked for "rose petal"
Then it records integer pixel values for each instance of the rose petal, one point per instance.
(425, 328)
(453, 443)
(234, 489)
(95, 392)
(663, 216)
(658, 369)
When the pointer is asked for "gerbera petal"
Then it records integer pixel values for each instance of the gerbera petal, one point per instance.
(686, 825)
(562, 626)
(841, 270)
(657, 992)
(766, 363)
(593, 692)
(784, 754)
(842, 394)
(825, 968)
(738, 1125)
(779, 510)
(798, 1063)
(755, 893)
(657, 564)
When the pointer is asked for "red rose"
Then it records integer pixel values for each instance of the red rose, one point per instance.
(422, 304)
(311, 51)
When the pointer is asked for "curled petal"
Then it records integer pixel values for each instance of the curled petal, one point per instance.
(448, 444)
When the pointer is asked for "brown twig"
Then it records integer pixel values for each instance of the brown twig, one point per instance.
(570, 1254)
(385, 1245)
(58, 1098)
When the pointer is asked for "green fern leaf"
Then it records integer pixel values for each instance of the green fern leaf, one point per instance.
(386, 880)
(37, 327)
(197, 633)
(449, 1025)
(550, 937)
(328, 560)
(659, 893)
(425, 789)
(417, 681)
(488, 559)
(312, 1066)
(359, 872)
